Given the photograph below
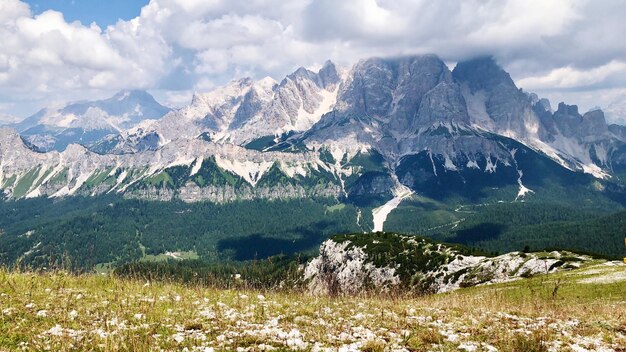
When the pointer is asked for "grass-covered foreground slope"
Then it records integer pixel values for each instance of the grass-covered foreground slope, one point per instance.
(579, 310)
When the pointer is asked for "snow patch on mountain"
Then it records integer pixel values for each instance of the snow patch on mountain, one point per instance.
(381, 213)
(305, 119)
(449, 164)
(595, 171)
(523, 190)
(491, 166)
(292, 170)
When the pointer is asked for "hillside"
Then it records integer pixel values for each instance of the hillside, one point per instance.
(501, 227)
(111, 230)
(383, 262)
(581, 310)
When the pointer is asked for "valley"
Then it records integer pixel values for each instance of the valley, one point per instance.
(250, 169)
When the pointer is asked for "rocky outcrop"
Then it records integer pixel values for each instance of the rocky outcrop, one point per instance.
(352, 264)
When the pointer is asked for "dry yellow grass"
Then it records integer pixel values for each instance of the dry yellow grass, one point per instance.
(62, 312)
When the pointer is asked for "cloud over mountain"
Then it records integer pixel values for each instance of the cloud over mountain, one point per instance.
(178, 46)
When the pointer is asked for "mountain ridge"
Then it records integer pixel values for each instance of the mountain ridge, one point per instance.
(86, 122)
(410, 121)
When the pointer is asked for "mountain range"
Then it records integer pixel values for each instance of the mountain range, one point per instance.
(363, 133)
(256, 168)
(87, 122)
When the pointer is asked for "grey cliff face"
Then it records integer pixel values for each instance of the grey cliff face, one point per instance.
(508, 108)
(568, 120)
(391, 91)
(401, 107)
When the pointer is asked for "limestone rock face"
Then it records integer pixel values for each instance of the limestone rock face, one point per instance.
(353, 264)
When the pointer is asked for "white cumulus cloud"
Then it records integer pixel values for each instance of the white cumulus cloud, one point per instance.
(174, 47)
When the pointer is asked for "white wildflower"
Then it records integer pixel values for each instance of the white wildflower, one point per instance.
(101, 333)
(178, 337)
(57, 330)
(207, 313)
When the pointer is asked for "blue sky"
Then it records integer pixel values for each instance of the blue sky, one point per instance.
(103, 12)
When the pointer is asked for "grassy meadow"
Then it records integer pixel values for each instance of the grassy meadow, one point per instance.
(581, 310)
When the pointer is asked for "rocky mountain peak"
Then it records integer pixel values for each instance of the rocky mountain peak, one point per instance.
(328, 75)
(132, 94)
(567, 110)
(594, 123)
(326, 78)
(421, 125)
(7, 133)
(544, 104)
(86, 122)
(482, 73)
(382, 87)
(232, 90)
(135, 105)
(568, 120)
(303, 73)
(10, 142)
